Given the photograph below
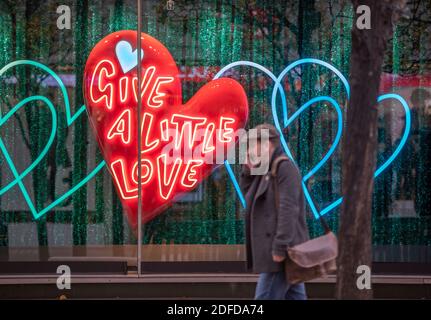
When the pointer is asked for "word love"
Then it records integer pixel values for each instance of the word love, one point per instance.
(159, 162)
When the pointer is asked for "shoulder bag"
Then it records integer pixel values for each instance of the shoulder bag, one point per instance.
(314, 258)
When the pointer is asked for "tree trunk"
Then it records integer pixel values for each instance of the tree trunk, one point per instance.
(360, 144)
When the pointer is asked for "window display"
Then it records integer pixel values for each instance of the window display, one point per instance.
(75, 173)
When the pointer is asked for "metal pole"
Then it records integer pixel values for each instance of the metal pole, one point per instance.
(139, 138)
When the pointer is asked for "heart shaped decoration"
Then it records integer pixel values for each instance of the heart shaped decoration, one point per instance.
(178, 143)
(127, 58)
(278, 89)
(317, 213)
(70, 119)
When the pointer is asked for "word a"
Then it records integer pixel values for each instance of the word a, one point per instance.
(364, 20)
(64, 280)
(64, 20)
(364, 280)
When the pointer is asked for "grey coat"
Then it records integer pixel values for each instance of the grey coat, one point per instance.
(267, 234)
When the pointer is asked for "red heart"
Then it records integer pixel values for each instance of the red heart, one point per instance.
(110, 91)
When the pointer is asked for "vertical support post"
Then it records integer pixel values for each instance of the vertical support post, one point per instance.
(139, 138)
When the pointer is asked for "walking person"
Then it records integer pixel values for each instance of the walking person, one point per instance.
(271, 230)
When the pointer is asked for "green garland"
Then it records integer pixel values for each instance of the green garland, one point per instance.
(199, 37)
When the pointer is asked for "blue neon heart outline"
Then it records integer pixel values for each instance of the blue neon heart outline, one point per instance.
(69, 121)
(4, 119)
(331, 150)
(287, 121)
(334, 103)
(388, 161)
(278, 87)
(378, 171)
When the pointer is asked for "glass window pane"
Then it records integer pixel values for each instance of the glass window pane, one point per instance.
(207, 224)
(57, 199)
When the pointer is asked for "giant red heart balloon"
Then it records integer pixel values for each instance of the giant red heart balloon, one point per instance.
(179, 143)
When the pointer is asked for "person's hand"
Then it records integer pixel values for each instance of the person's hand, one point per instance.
(277, 258)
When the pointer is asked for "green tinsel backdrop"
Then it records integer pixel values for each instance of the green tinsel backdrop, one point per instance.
(206, 34)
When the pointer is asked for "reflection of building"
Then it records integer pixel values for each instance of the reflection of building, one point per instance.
(411, 172)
